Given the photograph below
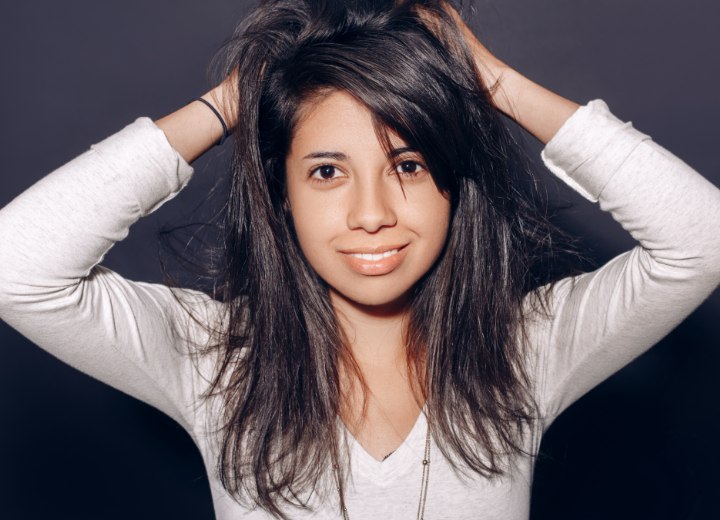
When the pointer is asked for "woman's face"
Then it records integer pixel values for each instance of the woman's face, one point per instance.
(366, 238)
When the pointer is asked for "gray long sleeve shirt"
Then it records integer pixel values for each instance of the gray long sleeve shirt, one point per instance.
(136, 336)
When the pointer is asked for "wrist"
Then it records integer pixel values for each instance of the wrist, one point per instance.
(495, 75)
(224, 98)
(537, 109)
(504, 89)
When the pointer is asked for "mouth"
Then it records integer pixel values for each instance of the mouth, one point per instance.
(375, 250)
(375, 261)
(375, 257)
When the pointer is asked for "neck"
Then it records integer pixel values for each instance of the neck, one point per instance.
(384, 397)
(376, 334)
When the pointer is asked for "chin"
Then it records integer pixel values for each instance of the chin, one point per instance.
(375, 297)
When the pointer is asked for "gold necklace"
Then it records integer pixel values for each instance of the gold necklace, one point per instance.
(423, 487)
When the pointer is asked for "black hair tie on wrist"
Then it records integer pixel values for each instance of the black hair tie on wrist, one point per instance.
(222, 121)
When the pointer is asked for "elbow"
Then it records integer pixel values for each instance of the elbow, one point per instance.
(700, 264)
(22, 292)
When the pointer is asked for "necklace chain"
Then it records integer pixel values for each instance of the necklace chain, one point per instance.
(423, 486)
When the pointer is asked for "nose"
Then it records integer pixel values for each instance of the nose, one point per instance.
(371, 206)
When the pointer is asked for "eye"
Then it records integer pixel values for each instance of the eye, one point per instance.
(324, 173)
(409, 168)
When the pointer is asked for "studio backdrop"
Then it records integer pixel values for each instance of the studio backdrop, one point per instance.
(641, 445)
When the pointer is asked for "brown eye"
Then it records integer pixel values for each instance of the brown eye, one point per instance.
(326, 172)
(410, 168)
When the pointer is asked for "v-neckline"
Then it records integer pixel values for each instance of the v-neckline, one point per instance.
(400, 461)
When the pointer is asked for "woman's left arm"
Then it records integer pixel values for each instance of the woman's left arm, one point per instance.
(537, 109)
(604, 319)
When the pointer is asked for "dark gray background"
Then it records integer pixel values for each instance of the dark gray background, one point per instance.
(642, 445)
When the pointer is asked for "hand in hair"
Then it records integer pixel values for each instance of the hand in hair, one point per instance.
(537, 109)
(194, 129)
(489, 68)
(225, 98)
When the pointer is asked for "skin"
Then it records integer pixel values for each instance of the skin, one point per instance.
(356, 201)
(368, 204)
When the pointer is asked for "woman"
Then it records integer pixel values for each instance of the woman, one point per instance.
(337, 165)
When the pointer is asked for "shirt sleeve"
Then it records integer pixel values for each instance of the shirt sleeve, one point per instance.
(131, 335)
(600, 321)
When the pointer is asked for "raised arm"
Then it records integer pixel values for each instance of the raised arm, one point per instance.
(601, 321)
(131, 335)
(194, 128)
(537, 109)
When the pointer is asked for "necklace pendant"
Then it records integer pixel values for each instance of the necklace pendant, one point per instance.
(423, 485)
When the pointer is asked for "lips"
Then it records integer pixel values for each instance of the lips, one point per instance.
(373, 250)
(375, 261)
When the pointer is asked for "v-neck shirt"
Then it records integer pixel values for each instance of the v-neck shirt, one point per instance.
(136, 336)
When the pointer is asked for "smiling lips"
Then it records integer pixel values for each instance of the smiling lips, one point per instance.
(375, 261)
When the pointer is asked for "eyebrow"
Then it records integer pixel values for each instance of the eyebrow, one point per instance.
(339, 156)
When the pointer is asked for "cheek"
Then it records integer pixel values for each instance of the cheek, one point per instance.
(321, 225)
(431, 221)
(427, 211)
(316, 223)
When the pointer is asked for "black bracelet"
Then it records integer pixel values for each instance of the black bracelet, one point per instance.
(222, 121)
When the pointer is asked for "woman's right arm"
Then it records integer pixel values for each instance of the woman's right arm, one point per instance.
(194, 128)
(131, 335)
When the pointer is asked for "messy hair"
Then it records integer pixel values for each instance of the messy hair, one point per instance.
(282, 350)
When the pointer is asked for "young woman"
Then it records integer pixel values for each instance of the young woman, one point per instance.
(390, 337)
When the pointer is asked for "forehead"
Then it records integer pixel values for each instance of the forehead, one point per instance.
(336, 120)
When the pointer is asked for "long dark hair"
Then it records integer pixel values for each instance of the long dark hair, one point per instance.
(281, 348)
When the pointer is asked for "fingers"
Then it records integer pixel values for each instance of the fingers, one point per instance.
(489, 68)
